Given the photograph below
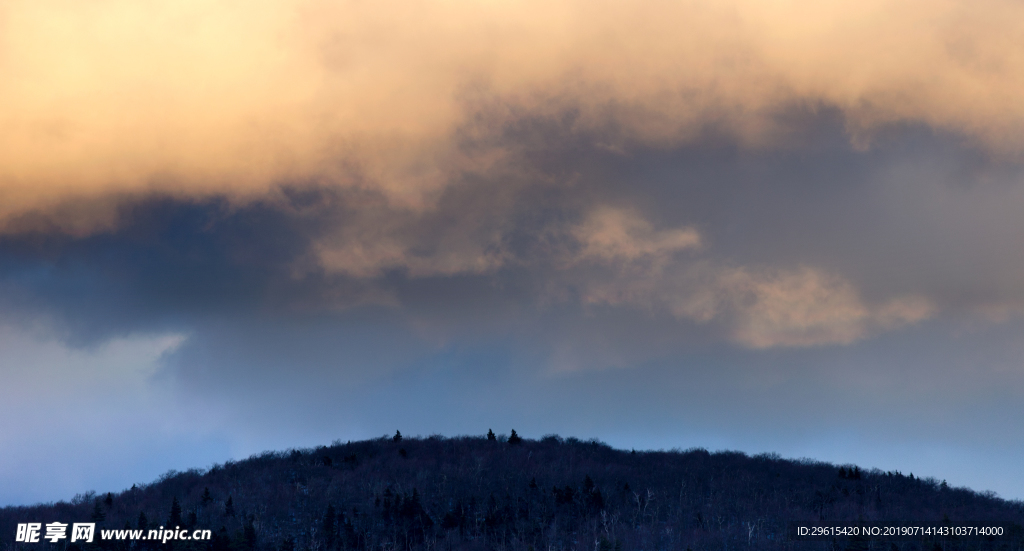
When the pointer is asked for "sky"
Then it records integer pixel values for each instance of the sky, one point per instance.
(772, 226)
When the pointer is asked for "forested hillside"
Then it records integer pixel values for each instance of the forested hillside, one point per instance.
(498, 492)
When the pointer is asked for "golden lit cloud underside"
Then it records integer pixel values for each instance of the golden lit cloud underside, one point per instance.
(114, 97)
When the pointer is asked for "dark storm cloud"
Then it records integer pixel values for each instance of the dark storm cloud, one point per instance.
(168, 261)
(704, 234)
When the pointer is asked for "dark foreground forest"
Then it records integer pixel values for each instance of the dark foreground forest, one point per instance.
(511, 493)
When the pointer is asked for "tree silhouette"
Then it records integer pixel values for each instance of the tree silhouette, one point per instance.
(330, 526)
(249, 535)
(175, 517)
(97, 513)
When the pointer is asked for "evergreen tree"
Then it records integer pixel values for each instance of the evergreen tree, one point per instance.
(97, 514)
(330, 527)
(175, 518)
(207, 498)
(397, 437)
(514, 439)
(249, 535)
(490, 435)
(229, 507)
(143, 521)
(109, 501)
(221, 540)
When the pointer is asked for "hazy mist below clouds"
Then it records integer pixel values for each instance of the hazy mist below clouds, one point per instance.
(912, 401)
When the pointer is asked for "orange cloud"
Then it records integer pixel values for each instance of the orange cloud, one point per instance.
(114, 98)
(611, 234)
(807, 307)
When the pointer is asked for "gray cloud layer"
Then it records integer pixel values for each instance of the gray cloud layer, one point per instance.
(769, 248)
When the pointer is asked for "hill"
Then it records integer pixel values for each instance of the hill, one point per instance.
(513, 493)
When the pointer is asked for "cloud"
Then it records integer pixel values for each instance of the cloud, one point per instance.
(611, 234)
(431, 134)
(114, 99)
(369, 236)
(101, 402)
(760, 307)
(805, 307)
(173, 264)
